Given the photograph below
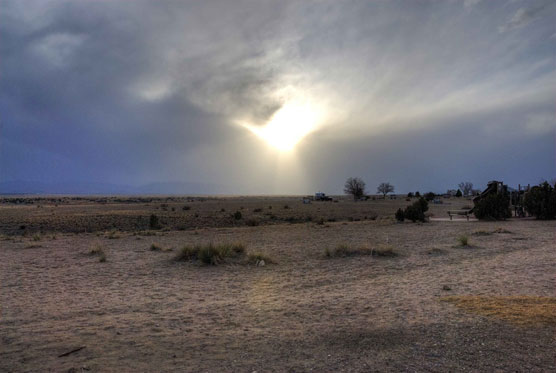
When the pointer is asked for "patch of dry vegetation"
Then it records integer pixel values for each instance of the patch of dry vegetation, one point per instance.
(463, 240)
(521, 310)
(488, 233)
(344, 250)
(259, 259)
(212, 254)
(113, 235)
(98, 251)
(157, 247)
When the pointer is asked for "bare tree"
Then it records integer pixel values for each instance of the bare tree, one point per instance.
(385, 188)
(466, 187)
(355, 186)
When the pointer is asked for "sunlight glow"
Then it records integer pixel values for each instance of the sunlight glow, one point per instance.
(289, 125)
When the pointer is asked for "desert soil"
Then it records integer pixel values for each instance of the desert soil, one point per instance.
(143, 311)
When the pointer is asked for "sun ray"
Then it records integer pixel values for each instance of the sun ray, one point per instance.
(288, 126)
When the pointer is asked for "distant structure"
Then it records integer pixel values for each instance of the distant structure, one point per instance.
(320, 196)
(496, 187)
(516, 196)
(451, 193)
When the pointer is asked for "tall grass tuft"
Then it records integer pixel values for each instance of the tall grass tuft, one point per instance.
(463, 240)
(211, 254)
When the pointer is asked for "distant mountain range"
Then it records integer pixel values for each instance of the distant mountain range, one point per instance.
(35, 187)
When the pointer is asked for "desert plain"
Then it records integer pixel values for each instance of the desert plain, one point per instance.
(452, 296)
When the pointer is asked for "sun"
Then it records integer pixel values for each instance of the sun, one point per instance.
(288, 126)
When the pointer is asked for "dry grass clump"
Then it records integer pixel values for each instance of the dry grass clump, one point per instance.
(501, 231)
(436, 251)
(98, 251)
(488, 233)
(211, 254)
(37, 237)
(384, 250)
(157, 247)
(252, 222)
(344, 250)
(521, 310)
(259, 259)
(463, 240)
(113, 235)
(482, 233)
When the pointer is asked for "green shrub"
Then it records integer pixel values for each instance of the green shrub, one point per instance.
(400, 215)
(459, 193)
(540, 201)
(237, 215)
(153, 222)
(493, 207)
(430, 196)
(416, 211)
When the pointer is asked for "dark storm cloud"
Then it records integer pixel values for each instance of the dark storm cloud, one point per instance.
(139, 92)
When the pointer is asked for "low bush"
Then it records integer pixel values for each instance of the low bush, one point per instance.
(540, 201)
(463, 240)
(385, 250)
(430, 196)
(157, 247)
(237, 215)
(344, 250)
(211, 254)
(113, 235)
(259, 259)
(400, 215)
(153, 222)
(414, 212)
(98, 251)
(252, 222)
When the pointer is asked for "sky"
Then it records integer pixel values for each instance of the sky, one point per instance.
(276, 97)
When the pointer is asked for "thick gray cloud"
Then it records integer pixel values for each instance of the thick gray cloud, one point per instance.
(424, 93)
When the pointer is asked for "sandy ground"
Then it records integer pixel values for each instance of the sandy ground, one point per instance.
(143, 311)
